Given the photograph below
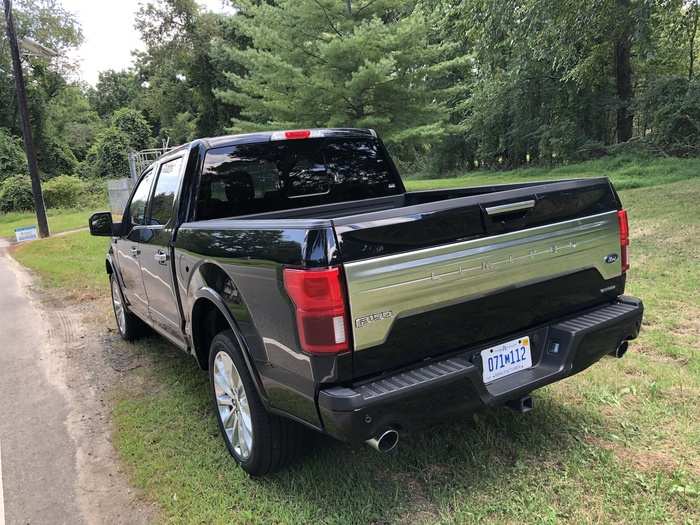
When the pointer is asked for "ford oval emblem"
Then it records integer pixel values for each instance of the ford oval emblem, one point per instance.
(609, 259)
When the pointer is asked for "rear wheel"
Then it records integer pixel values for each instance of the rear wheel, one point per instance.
(129, 326)
(260, 442)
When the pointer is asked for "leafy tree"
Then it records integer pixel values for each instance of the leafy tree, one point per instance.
(134, 126)
(671, 107)
(108, 156)
(182, 129)
(47, 22)
(13, 161)
(180, 69)
(70, 117)
(114, 90)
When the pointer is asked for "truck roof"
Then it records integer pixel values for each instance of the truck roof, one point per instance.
(262, 136)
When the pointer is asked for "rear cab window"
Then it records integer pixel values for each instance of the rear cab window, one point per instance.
(278, 175)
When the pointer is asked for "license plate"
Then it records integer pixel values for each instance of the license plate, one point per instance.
(506, 358)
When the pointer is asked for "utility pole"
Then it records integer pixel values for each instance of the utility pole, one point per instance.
(25, 123)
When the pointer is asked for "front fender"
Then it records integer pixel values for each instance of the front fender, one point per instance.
(113, 268)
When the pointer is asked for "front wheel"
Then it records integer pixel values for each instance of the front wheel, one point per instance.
(260, 442)
(130, 327)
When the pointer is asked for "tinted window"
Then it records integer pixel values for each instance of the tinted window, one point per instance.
(166, 188)
(137, 208)
(270, 176)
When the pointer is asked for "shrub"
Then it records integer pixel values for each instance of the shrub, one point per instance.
(16, 194)
(95, 194)
(64, 191)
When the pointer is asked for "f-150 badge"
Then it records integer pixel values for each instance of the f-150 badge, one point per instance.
(373, 318)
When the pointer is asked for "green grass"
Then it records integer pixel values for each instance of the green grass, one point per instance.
(59, 221)
(625, 172)
(619, 443)
(75, 261)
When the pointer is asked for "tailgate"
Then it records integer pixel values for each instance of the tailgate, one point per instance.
(445, 275)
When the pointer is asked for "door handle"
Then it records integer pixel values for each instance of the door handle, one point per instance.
(160, 256)
(135, 251)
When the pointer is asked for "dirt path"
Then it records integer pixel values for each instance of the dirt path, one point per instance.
(56, 378)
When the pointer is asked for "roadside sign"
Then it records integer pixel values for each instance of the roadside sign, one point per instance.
(27, 233)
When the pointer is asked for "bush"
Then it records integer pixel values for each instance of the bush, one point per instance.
(12, 158)
(16, 194)
(64, 191)
(95, 195)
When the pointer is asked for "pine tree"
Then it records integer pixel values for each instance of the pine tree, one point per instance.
(339, 63)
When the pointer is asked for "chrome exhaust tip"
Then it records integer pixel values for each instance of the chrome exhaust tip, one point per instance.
(384, 442)
(622, 349)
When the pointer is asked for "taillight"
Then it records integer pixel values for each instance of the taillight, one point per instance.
(320, 309)
(624, 239)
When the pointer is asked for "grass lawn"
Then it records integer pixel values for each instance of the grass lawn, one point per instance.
(59, 221)
(75, 262)
(619, 443)
(625, 172)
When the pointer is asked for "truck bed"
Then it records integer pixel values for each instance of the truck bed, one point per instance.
(463, 265)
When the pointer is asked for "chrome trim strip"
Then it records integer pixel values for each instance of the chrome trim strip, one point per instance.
(423, 280)
(507, 208)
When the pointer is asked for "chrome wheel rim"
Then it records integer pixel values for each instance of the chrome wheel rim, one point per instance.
(118, 307)
(232, 402)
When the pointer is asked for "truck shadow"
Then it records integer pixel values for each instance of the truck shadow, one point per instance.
(426, 474)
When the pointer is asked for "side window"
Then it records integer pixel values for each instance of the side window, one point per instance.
(167, 185)
(137, 207)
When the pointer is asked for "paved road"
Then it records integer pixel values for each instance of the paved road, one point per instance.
(38, 471)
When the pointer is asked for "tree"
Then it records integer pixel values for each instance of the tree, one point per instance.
(69, 116)
(181, 70)
(12, 158)
(114, 90)
(328, 63)
(134, 126)
(108, 156)
(48, 23)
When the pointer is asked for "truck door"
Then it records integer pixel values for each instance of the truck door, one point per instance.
(128, 246)
(155, 259)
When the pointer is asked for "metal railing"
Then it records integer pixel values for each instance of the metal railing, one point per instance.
(140, 160)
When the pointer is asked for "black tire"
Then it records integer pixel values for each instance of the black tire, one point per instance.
(276, 441)
(132, 327)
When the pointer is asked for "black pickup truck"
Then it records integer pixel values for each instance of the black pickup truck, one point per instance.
(318, 292)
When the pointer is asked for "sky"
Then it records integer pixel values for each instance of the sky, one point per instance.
(109, 34)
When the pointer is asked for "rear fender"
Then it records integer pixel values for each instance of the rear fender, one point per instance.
(206, 293)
